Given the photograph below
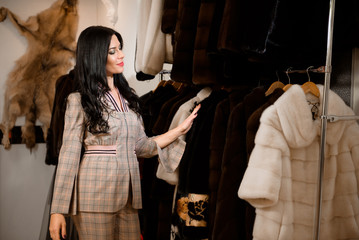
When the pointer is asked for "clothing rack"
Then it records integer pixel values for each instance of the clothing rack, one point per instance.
(163, 72)
(325, 118)
(321, 69)
(333, 118)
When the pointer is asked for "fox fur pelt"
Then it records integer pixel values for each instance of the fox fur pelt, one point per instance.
(30, 87)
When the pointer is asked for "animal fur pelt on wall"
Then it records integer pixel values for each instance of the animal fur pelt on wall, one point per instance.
(30, 87)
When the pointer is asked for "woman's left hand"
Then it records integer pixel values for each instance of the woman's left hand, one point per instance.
(186, 125)
(170, 136)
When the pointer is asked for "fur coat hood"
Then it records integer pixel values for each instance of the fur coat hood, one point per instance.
(281, 178)
(294, 116)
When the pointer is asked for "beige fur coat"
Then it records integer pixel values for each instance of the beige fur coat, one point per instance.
(153, 47)
(281, 178)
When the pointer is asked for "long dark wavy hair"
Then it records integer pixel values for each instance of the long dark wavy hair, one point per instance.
(90, 72)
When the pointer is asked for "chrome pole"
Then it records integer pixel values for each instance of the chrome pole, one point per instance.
(328, 70)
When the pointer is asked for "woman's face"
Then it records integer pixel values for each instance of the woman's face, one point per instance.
(115, 57)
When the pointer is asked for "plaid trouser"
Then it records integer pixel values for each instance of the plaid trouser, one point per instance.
(122, 225)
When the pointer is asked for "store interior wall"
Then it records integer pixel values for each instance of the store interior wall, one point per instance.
(24, 177)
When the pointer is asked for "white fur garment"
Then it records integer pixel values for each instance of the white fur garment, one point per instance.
(112, 13)
(153, 47)
(281, 178)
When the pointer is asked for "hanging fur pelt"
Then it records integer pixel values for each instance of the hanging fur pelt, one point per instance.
(30, 87)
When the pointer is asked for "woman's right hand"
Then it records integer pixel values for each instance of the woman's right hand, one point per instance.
(57, 225)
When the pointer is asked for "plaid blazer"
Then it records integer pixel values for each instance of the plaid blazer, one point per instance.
(101, 180)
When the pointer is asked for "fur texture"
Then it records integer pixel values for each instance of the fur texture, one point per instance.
(30, 87)
(153, 47)
(281, 178)
(111, 7)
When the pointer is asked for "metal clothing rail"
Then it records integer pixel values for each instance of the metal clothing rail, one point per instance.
(163, 72)
(324, 117)
(321, 69)
(333, 118)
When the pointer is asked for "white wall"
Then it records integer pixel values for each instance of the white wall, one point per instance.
(24, 176)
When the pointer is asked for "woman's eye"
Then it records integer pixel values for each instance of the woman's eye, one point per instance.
(111, 52)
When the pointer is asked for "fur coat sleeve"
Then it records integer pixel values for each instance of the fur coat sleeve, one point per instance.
(263, 176)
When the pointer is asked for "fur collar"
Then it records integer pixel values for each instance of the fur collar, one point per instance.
(292, 115)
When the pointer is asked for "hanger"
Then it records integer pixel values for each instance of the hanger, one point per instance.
(168, 82)
(160, 84)
(310, 87)
(286, 87)
(274, 85)
(178, 86)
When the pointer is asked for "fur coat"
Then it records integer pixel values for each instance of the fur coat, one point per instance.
(153, 47)
(64, 86)
(184, 39)
(281, 178)
(230, 220)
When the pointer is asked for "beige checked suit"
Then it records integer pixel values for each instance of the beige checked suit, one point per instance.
(100, 181)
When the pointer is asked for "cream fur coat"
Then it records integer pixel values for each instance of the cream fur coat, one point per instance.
(153, 47)
(281, 178)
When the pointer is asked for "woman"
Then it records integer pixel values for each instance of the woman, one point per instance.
(101, 190)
